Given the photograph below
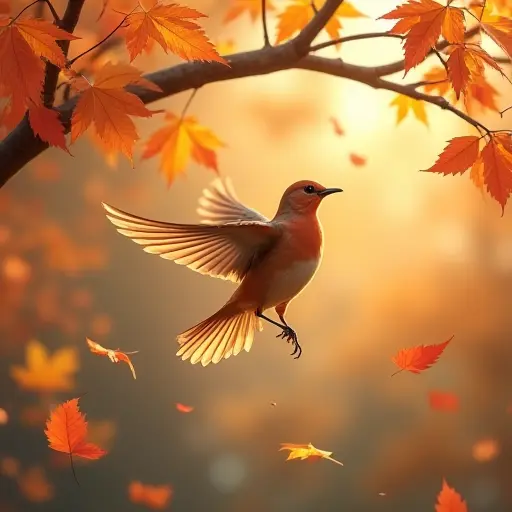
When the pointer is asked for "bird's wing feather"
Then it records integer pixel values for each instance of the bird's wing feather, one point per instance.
(219, 205)
(226, 251)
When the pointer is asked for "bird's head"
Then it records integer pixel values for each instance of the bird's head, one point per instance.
(304, 197)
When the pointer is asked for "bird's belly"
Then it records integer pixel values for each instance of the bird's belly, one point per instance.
(288, 283)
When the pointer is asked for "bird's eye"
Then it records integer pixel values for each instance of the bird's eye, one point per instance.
(309, 189)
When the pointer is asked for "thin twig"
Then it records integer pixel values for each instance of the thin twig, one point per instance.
(23, 10)
(313, 6)
(108, 36)
(416, 85)
(266, 40)
(56, 17)
(441, 60)
(357, 37)
(503, 111)
(187, 105)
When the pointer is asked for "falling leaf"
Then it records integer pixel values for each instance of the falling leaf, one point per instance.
(357, 160)
(45, 123)
(114, 355)
(66, 430)
(404, 104)
(273, 404)
(252, 7)
(35, 486)
(184, 408)
(108, 105)
(449, 500)
(338, 130)
(485, 450)
(4, 417)
(155, 497)
(440, 401)
(46, 373)
(171, 26)
(9, 467)
(466, 63)
(418, 359)
(180, 141)
(299, 13)
(458, 156)
(307, 451)
(497, 159)
(423, 22)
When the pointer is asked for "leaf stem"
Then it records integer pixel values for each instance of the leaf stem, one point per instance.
(187, 105)
(266, 40)
(56, 17)
(505, 110)
(108, 36)
(23, 10)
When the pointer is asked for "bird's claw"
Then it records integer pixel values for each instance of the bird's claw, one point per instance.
(290, 335)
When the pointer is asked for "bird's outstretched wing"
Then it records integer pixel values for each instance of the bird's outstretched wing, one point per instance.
(219, 205)
(226, 251)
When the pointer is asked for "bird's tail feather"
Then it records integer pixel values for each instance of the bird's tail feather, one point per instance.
(222, 335)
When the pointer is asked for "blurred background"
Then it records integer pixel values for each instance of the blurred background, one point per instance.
(410, 258)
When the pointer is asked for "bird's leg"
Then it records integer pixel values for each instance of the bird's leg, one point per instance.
(287, 334)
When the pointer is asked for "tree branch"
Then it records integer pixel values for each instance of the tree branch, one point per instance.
(68, 23)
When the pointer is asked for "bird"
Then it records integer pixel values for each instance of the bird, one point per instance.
(271, 260)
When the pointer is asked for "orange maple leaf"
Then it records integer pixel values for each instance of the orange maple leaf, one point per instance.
(499, 29)
(184, 408)
(449, 500)
(46, 124)
(497, 160)
(156, 497)
(300, 12)
(114, 355)
(482, 92)
(420, 358)
(171, 27)
(458, 156)
(66, 430)
(178, 142)
(466, 63)
(423, 22)
(477, 174)
(23, 41)
(307, 451)
(438, 81)
(441, 401)
(253, 7)
(109, 106)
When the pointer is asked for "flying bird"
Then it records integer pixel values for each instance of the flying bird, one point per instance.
(273, 260)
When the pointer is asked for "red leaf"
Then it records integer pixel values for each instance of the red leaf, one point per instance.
(440, 401)
(458, 156)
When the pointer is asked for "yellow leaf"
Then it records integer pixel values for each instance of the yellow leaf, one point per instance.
(307, 451)
(300, 12)
(44, 372)
(253, 7)
(405, 104)
(180, 141)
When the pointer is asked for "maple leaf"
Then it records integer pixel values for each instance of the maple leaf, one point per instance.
(114, 355)
(458, 156)
(465, 63)
(404, 104)
(34, 485)
(357, 160)
(171, 26)
(423, 22)
(178, 142)
(108, 105)
(441, 401)
(439, 82)
(46, 124)
(497, 159)
(66, 430)
(156, 497)
(449, 500)
(420, 358)
(252, 7)
(482, 92)
(184, 408)
(23, 41)
(499, 29)
(307, 451)
(46, 373)
(300, 12)
(477, 174)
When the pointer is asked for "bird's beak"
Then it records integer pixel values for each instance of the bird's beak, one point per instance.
(328, 191)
